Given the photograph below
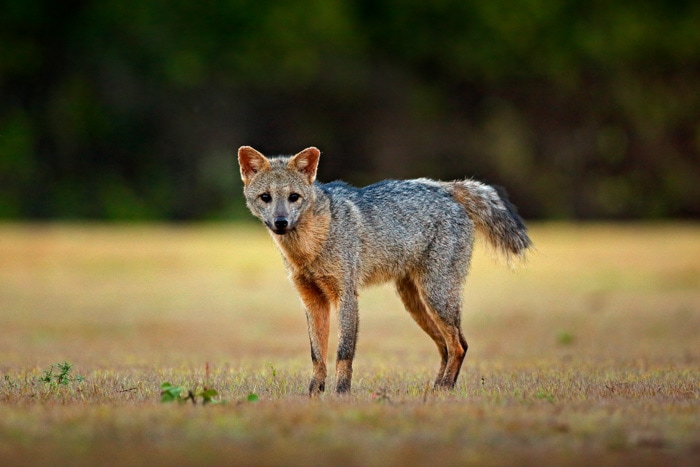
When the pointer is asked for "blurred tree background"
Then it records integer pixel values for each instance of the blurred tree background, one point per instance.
(134, 109)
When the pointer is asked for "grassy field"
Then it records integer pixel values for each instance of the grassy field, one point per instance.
(590, 354)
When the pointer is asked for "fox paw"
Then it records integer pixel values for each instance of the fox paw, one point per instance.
(316, 387)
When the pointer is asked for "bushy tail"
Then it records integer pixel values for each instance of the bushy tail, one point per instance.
(494, 216)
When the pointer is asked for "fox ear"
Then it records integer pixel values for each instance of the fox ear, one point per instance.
(251, 162)
(306, 162)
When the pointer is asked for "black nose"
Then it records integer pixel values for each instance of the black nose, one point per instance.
(281, 223)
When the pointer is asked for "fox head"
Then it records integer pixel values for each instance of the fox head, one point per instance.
(278, 189)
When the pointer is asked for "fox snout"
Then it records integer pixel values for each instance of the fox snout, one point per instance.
(281, 225)
(279, 217)
(280, 221)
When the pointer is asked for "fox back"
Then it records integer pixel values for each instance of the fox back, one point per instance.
(391, 228)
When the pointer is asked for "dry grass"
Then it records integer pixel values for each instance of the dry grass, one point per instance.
(588, 355)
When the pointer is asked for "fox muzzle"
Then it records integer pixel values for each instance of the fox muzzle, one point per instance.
(280, 225)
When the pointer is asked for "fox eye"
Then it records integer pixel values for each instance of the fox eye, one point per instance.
(265, 197)
(294, 197)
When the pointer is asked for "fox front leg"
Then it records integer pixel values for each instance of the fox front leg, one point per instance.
(348, 321)
(318, 320)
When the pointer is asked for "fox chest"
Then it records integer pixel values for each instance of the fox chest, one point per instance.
(318, 288)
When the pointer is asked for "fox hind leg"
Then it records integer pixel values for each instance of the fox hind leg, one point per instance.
(443, 298)
(410, 296)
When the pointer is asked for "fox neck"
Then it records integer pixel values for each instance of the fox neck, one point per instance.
(303, 245)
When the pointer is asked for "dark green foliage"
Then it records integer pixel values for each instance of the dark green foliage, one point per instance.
(134, 109)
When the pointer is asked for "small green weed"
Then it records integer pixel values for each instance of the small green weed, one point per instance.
(172, 393)
(565, 338)
(59, 374)
(544, 395)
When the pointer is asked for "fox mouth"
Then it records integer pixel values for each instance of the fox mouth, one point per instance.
(278, 229)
